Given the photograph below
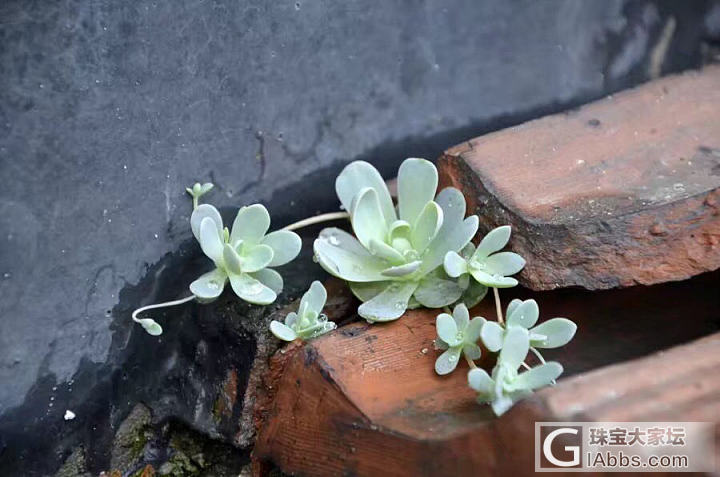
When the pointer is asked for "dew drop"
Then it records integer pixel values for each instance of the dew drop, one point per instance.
(452, 358)
(400, 305)
(213, 285)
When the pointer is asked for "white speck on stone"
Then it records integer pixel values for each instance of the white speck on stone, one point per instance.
(69, 415)
(580, 162)
(156, 235)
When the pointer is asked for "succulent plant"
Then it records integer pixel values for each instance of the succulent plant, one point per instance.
(457, 334)
(393, 263)
(507, 386)
(242, 255)
(553, 333)
(309, 321)
(485, 265)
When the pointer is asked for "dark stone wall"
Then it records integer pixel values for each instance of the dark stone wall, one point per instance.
(108, 110)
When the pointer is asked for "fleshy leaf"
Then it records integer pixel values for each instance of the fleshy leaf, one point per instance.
(515, 347)
(256, 258)
(474, 328)
(480, 381)
(210, 240)
(366, 217)
(209, 285)
(537, 377)
(231, 259)
(454, 264)
(203, 211)
(313, 299)
(558, 332)
(495, 240)
(402, 270)
(492, 336)
(472, 351)
(447, 329)
(448, 361)
(417, 182)
(461, 315)
(386, 252)
(151, 326)
(346, 258)
(358, 175)
(436, 292)
(285, 244)
(365, 291)
(450, 240)
(251, 290)
(390, 304)
(270, 278)
(250, 225)
(505, 263)
(290, 319)
(473, 294)
(282, 331)
(426, 227)
(399, 229)
(495, 281)
(514, 303)
(525, 314)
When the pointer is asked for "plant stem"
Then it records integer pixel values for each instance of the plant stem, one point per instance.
(317, 219)
(470, 363)
(537, 353)
(195, 202)
(160, 305)
(498, 308)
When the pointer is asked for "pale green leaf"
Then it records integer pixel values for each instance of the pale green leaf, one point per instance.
(417, 183)
(426, 227)
(365, 291)
(285, 245)
(250, 225)
(480, 381)
(461, 315)
(515, 347)
(447, 329)
(385, 252)
(448, 361)
(495, 281)
(495, 240)
(151, 326)
(537, 377)
(512, 305)
(448, 241)
(402, 270)
(357, 176)
(210, 240)
(525, 314)
(492, 335)
(367, 219)
(472, 351)
(233, 263)
(474, 329)
(436, 292)
(505, 263)
(203, 211)
(270, 278)
(210, 285)
(313, 299)
(390, 304)
(558, 332)
(455, 265)
(251, 290)
(282, 331)
(256, 258)
(343, 256)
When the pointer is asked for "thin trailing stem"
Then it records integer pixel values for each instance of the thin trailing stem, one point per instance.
(317, 220)
(195, 202)
(537, 353)
(470, 363)
(498, 307)
(159, 305)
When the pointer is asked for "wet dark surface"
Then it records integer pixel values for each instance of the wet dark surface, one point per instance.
(109, 110)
